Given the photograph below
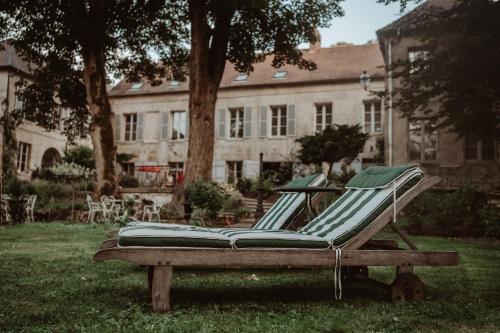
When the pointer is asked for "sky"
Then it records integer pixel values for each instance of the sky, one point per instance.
(362, 18)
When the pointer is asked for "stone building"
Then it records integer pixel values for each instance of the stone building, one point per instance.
(417, 140)
(265, 111)
(37, 148)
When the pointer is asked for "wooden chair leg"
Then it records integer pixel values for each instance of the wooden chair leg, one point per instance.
(151, 271)
(407, 287)
(160, 293)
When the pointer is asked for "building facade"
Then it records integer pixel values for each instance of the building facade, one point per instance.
(36, 147)
(417, 140)
(263, 112)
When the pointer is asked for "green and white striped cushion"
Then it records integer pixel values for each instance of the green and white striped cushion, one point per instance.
(351, 213)
(359, 207)
(174, 237)
(283, 212)
(276, 239)
(289, 205)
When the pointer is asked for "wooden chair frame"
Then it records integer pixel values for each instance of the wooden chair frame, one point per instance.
(360, 251)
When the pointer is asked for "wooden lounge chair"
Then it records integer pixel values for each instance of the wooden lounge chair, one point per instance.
(352, 243)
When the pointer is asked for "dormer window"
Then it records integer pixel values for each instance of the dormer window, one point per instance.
(174, 83)
(241, 77)
(136, 85)
(280, 75)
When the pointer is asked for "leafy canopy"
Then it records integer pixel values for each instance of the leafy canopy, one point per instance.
(335, 143)
(129, 37)
(457, 81)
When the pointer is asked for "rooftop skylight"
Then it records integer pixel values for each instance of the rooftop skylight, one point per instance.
(280, 74)
(241, 77)
(136, 85)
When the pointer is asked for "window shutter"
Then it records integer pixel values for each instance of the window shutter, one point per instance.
(219, 171)
(187, 124)
(290, 123)
(247, 129)
(263, 121)
(250, 169)
(221, 133)
(140, 123)
(118, 125)
(164, 126)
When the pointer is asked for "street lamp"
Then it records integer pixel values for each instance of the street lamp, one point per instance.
(365, 80)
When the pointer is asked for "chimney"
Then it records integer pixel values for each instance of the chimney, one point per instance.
(313, 47)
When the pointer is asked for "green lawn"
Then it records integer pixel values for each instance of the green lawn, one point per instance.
(49, 283)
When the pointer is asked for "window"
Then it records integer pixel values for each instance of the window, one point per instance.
(174, 83)
(136, 85)
(323, 116)
(241, 77)
(234, 171)
(236, 123)
(416, 56)
(23, 157)
(56, 118)
(18, 102)
(131, 127)
(176, 169)
(423, 140)
(278, 120)
(280, 75)
(482, 149)
(128, 168)
(178, 125)
(373, 116)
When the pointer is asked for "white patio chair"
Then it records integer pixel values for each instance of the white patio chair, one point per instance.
(4, 206)
(109, 206)
(152, 210)
(94, 209)
(29, 207)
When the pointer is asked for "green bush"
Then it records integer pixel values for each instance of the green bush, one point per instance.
(81, 155)
(207, 196)
(464, 212)
(128, 181)
(245, 185)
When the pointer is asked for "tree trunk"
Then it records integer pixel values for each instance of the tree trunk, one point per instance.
(201, 127)
(207, 63)
(101, 128)
(330, 167)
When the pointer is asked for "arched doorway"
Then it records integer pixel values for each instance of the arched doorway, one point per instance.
(50, 157)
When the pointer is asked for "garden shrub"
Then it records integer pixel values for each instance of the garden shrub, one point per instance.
(206, 195)
(245, 185)
(128, 181)
(81, 155)
(463, 212)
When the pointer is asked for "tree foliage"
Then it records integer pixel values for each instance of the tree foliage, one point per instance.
(74, 45)
(457, 82)
(52, 36)
(335, 143)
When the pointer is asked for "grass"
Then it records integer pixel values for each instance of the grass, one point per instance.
(49, 283)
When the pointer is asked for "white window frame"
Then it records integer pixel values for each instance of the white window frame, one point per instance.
(415, 55)
(23, 157)
(323, 110)
(234, 169)
(130, 133)
(372, 122)
(239, 118)
(281, 113)
(174, 133)
(422, 144)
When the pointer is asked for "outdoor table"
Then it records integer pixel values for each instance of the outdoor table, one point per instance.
(308, 191)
